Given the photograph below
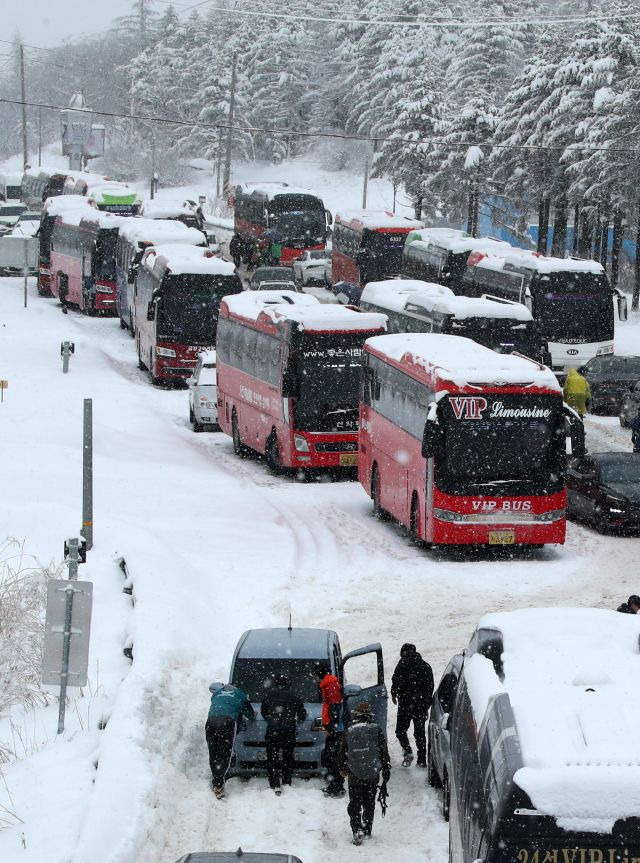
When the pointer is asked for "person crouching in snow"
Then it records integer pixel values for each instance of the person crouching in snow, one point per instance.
(228, 705)
(363, 755)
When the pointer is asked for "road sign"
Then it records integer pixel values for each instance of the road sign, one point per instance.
(80, 629)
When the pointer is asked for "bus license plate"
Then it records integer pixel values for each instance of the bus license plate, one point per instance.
(349, 460)
(502, 537)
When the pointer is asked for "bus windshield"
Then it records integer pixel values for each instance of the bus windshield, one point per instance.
(327, 372)
(380, 255)
(308, 227)
(574, 306)
(105, 255)
(188, 310)
(498, 334)
(514, 446)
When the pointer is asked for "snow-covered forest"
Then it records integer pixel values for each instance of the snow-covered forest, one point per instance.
(481, 96)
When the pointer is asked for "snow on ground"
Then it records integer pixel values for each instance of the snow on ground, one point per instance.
(216, 545)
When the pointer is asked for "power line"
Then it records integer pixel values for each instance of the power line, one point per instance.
(343, 136)
(440, 23)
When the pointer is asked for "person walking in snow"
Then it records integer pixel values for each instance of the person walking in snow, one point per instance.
(228, 705)
(635, 432)
(333, 726)
(412, 690)
(577, 392)
(362, 756)
(235, 250)
(631, 606)
(281, 708)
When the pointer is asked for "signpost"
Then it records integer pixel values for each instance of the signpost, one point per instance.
(76, 121)
(65, 659)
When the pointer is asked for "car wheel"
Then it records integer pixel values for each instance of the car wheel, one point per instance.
(600, 520)
(141, 365)
(446, 796)
(197, 427)
(432, 774)
(272, 454)
(155, 380)
(123, 326)
(238, 447)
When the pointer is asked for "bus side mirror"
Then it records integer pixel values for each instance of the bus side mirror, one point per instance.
(329, 217)
(623, 309)
(528, 300)
(131, 274)
(431, 438)
(151, 311)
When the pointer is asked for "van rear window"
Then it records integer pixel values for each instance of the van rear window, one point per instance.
(256, 677)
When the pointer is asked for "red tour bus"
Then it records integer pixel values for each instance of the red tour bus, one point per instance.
(464, 445)
(83, 262)
(177, 295)
(52, 208)
(276, 212)
(289, 377)
(367, 246)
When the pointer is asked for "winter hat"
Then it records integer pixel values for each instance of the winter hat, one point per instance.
(408, 649)
(634, 598)
(363, 709)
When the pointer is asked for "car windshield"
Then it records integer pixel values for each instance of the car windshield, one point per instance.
(512, 443)
(11, 211)
(277, 286)
(327, 370)
(256, 677)
(624, 471)
(189, 304)
(207, 376)
(627, 367)
(317, 256)
(272, 274)
(573, 306)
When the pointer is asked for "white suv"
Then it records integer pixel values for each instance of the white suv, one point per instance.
(203, 394)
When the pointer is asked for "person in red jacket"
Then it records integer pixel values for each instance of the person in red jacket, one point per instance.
(333, 725)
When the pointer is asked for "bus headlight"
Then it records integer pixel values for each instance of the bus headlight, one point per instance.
(552, 515)
(300, 443)
(165, 352)
(448, 515)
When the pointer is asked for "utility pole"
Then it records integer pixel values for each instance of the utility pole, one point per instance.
(23, 90)
(232, 105)
(39, 137)
(366, 184)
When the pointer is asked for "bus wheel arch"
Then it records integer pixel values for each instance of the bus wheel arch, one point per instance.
(446, 795)
(238, 447)
(375, 491)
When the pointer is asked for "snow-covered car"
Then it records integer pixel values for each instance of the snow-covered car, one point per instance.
(271, 274)
(630, 405)
(439, 757)
(27, 225)
(9, 215)
(277, 286)
(309, 268)
(203, 394)
(263, 654)
(238, 856)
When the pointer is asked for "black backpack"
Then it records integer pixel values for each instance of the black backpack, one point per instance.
(363, 751)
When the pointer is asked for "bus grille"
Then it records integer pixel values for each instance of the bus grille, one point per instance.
(337, 446)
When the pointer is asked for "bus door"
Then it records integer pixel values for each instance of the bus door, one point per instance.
(373, 689)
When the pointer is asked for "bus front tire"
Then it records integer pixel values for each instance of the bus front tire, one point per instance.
(414, 521)
(432, 774)
(375, 494)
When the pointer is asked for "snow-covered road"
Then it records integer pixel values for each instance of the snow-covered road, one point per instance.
(216, 545)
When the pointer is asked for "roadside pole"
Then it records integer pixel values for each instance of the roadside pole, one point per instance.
(26, 269)
(232, 104)
(87, 474)
(366, 184)
(66, 648)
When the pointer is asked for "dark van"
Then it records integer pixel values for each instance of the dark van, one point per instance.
(544, 742)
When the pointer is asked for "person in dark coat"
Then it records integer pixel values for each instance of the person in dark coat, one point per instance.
(235, 249)
(631, 606)
(333, 726)
(282, 709)
(635, 432)
(362, 768)
(412, 690)
(228, 705)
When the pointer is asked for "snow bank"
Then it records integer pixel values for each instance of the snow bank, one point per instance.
(571, 675)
